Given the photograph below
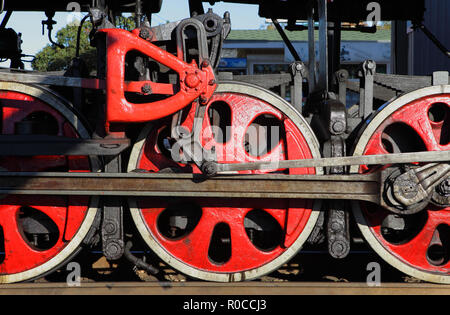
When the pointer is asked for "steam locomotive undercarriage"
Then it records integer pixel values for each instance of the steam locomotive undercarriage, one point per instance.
(223, 180)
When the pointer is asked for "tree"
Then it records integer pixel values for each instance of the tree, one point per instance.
(53, 58)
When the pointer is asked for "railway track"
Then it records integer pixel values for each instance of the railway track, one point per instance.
(221, 289)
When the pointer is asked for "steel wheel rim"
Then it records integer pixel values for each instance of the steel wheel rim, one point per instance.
(288, 110)
(375, 122)
(70, 249)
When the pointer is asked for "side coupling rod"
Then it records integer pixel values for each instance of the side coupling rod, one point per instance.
(403, 192)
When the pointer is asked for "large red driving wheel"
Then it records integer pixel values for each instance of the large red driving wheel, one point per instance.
(39, 233)
(229, 240)
(419, 244)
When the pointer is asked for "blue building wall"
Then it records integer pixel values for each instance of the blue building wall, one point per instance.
(425, 57)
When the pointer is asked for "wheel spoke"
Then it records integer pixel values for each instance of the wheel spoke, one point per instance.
(194, 247)
(57, 214)
(417, 247)
(244, 252)
(19, 253)
(423, 127)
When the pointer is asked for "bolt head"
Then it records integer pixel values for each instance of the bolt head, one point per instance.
(192, 80)
(339, 249)
(113, 249)
(147, 89)
(370, 65)
(338, 127)
(444, 187)
(209, 169)
(110, 228)
(145, 34)
(335, 226)
(205, 63)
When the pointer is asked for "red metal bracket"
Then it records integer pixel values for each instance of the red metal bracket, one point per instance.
(194, 81)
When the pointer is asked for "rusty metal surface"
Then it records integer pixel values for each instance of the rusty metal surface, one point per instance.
(34, 145)
(50, 79)
(204, 289)
(379, 159)
(355, 187)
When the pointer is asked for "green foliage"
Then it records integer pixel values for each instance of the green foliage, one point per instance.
(53, 58)
(126, 23)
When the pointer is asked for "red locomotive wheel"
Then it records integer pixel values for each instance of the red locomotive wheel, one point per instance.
(419, 244)
(39, 233)
(230, 240)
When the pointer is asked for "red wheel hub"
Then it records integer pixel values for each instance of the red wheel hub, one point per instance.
(424, 241)
(36, 229)
(222, 235)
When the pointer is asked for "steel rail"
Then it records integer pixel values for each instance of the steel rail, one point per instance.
(259, 289)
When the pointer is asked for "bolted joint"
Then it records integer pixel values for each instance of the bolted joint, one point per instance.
(110, 228)
(444, 188)
(205, 64)
(209, 169)
(147, 89)
(342, 75)
(145, 33)
(407, 189)
(192, 80)
(339, 127)
(339, 249)
(299, 68)
(113, 250)
(338, 233)
(369, 67)
(441, 195)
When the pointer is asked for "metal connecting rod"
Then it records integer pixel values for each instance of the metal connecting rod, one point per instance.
(357, 187)
(368, 187)
(212, 168)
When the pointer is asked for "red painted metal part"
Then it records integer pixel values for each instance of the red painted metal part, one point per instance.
(66, 213)
(433, 134)
(291, 216)
(194, 82)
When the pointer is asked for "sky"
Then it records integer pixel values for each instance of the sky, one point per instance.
(30, 23)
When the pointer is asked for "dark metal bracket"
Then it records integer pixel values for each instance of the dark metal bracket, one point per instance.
(32, 145)
(112, 225)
